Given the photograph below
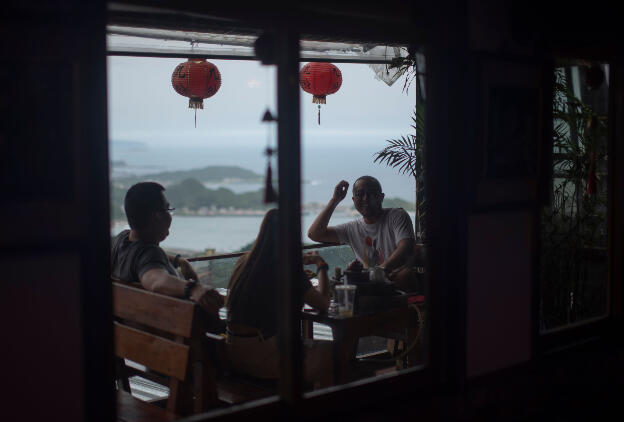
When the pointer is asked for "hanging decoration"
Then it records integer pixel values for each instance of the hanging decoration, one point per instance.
(320, 80)
(269, 192)
(196, 79)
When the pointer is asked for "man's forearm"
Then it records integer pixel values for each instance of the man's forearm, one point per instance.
(319, 227)
(164, 283)
(399, 256)
(323, 283)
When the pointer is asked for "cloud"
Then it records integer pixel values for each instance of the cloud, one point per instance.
(253, 83)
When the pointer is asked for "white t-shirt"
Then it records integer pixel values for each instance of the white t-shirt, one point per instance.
(373, 243)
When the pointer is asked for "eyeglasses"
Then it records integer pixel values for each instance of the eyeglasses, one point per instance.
(170, 210)
(360, 194)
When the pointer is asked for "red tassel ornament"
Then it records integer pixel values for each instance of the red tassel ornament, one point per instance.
(269, 192)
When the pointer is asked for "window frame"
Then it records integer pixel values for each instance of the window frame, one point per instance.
(445, 352)
(604, 326)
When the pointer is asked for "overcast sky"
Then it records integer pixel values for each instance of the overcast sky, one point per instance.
(144, 107)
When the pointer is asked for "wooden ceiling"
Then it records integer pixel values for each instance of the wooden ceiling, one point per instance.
(362, 22)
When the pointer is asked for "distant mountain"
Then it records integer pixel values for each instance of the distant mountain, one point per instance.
(206, 174)
(191, 197)
(398, 203)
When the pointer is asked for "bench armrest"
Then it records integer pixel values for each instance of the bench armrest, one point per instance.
(215, 337)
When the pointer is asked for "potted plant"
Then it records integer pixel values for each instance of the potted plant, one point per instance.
(407, 153)
(573, 224)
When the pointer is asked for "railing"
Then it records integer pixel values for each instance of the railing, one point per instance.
(237, 254)
(216, 269)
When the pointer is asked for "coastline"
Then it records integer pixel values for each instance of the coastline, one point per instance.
(306, 209)
(216, 234)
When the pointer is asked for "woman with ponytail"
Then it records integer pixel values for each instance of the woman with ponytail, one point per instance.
(252, 305)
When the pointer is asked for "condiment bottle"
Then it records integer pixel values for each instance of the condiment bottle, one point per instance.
(337, 273)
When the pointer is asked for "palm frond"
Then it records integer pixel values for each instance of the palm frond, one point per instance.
(406, 155)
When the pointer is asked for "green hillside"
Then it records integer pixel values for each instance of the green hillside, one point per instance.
(398, 203)
(206, 174)
(190, 195)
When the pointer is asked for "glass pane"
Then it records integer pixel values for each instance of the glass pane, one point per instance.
(213, 166)
(573, 260)
(348, 132)
(211, 162)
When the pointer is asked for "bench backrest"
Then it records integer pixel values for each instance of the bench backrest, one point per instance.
(169, 314)
(165, 334)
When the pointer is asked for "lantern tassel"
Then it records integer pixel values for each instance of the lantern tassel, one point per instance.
(269, 193)
(319, 115)
(268, 188)
(319, 99)
(196, 103)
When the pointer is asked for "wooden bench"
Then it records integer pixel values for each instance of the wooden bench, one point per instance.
(167, 336)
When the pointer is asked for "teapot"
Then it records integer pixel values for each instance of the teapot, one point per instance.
(377, 274)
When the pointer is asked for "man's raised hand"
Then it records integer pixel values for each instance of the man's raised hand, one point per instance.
(340, 191)
(319, 230)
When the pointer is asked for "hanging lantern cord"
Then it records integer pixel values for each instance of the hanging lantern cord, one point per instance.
(319, 114)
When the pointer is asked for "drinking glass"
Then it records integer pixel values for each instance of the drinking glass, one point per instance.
(345, 296)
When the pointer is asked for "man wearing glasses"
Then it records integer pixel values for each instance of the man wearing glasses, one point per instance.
(136, 256)
(383, 237)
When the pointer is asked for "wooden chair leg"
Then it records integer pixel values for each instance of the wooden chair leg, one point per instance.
(122, 375)
(206, 396)
(307, 329)
(180, 398)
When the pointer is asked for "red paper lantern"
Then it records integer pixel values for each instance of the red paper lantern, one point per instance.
(320, 80)
(196, 79)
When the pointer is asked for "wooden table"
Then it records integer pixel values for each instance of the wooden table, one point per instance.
(347, 331)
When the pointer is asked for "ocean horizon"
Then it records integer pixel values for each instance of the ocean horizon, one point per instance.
(323, 166)
(225, 233)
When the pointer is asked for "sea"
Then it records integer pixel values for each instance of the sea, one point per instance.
(223, 233)
(323, 166)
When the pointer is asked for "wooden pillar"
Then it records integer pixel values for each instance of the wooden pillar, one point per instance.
(289, 242)
(615, 196)
(55, 304)
(448, 137)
